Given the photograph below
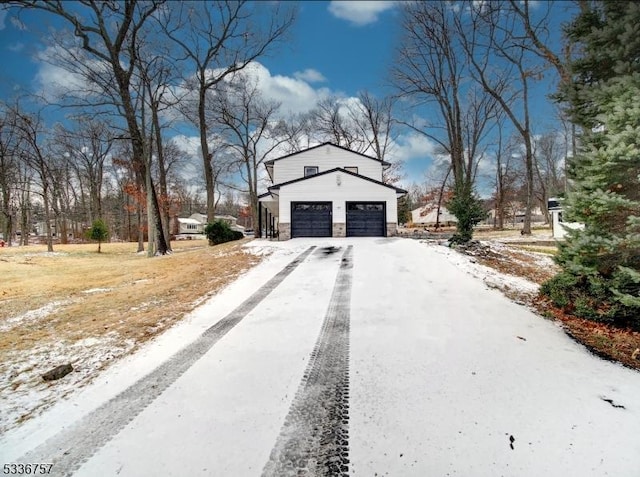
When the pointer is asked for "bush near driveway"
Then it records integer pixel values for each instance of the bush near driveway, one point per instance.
(220, 232)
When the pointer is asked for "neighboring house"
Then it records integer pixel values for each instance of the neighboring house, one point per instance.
(328, 191)
(231, 221)
(427, 216)
(60, 226)
(188, 226)
(196, 223)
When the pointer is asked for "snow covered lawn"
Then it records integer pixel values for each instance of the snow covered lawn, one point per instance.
(446, 376)
(76, 306)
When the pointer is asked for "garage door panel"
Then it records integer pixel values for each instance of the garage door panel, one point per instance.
(366, 219)
(311, 219)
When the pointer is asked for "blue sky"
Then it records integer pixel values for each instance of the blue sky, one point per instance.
(335, 48)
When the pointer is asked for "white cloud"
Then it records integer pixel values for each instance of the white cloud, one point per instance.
(190, 145)
(53, 81)
(18, 24)
(3, 17)
(359, 13)
(414, 147)
(310, 76)
(294, 93)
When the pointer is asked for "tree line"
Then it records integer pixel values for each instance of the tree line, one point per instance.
(144, 69)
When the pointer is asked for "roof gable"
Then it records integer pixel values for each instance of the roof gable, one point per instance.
(270, 162)
(331, 171)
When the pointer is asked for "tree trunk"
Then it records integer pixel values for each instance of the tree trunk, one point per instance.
(164, 193)
(440, 194)
(47, 217)
(140, 228)
(24, 216)
(526, 226)
(207, 157)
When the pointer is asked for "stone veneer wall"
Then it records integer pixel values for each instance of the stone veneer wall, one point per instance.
(339, 230)
(284, 231)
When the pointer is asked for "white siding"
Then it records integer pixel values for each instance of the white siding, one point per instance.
(326, 188)
(326, 158)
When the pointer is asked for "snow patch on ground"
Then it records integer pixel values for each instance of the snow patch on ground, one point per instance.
(543, 260)
(25, 394)
(32, 315)
(492, 278)
(145, 305)
(96, 290)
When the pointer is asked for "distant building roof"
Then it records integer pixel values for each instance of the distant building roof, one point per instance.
(427, 214)
(189, 221)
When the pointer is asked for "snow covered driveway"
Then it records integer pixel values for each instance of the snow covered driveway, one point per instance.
(356, 357)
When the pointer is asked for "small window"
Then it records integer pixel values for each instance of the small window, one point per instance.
(351, 169)
(310, 170)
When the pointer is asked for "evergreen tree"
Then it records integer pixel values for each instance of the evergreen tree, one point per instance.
(469, 210)
(600, 277)
(98, 232)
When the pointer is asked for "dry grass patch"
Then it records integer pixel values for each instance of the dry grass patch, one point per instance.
(493, 234)
(78, 306)
(535, 267)
(76, 292)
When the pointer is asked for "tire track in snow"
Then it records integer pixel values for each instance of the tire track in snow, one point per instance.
(314, 439)
(70, 448)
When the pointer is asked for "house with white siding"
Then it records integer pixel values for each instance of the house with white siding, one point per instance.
(430, 214)
(195, 224)
(328, 191)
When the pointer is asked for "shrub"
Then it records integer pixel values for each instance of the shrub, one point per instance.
(469, 211)
(220, 232)
(98, 232)
(590, 297)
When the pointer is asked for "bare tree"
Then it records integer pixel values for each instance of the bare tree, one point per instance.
(538, 31)
(248, 129)
(109, 33)
(298, 132)
(34, 152)
(430, 72)
(155, 74)
(505, 63)
(216, 39)
(373, 119)
(549, 164)
(508, 180)
(86, 145)
(332, 120)
(24, 186)
(9, 171)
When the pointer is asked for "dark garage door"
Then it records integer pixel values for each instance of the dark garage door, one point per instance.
(366, 219)
(311, 219)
